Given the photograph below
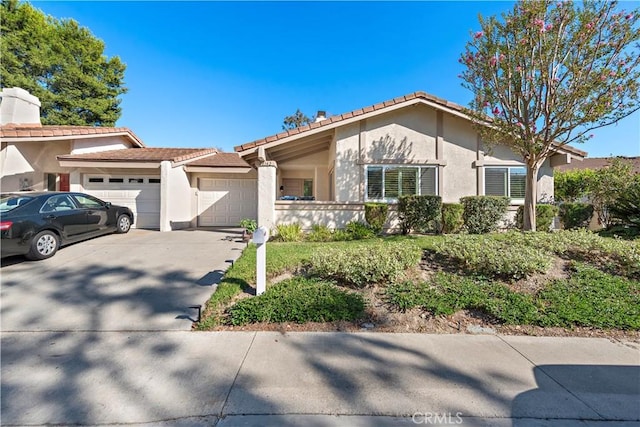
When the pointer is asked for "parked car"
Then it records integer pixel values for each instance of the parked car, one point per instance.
(37, 224)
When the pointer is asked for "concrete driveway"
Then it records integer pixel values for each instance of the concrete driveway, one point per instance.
(143, 280)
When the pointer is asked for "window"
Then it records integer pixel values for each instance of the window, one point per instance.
(136, 180)
(307, 190)
(57, 204)
(507, 181)
(154, 180)
(51, 179)
(95, 179)
(391, 182)
(88, 202)
(116, 180)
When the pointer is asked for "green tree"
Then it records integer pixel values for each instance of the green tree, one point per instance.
(572, 185)
(608, 185)
(61, 63)
(296, 120)
(546, 74)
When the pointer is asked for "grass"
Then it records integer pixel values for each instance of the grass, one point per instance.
(602, 290)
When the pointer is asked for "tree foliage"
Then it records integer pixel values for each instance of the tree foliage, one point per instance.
(572, 185)
(296, 120)
(546, 74)
(61, 63)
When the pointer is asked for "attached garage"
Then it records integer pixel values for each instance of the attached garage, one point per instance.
(141, 194)
(224, 202)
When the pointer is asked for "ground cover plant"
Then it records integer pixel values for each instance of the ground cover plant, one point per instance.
(574, 280)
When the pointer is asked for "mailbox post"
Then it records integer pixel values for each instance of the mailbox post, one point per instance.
(260, 237)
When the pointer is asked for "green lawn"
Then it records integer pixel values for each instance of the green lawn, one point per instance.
(601, 290)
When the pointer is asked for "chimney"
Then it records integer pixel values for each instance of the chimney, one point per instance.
(322, 115)
(19, 107)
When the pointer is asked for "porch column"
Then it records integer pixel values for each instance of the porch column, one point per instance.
(267, 194)
(165, 221)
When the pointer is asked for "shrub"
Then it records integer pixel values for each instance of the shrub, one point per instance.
(575, 215)
(376, 215)
(341, 236)
(496, 258)
(320, 233)
(483, 213)
(544, 217)
(289, 232)
(249, 224)
(359, 230)
(418, 212)
(626, 209)
(570, 186)
(359, 266)
(452, 220)
(299, 300)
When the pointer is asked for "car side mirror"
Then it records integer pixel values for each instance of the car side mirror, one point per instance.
(107, 205)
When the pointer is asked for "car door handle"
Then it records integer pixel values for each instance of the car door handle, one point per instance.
(50, 217)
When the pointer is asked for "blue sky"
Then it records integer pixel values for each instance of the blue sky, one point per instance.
(220, 74)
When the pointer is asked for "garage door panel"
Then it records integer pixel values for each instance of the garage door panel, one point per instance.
(142, 198)
(225, 202)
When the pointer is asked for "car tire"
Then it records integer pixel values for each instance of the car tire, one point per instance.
(123, 224)
(44, 245)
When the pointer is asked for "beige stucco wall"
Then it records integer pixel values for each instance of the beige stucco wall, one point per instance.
(93, 145)
(347, 173)
(30, 161)
(459, 176)
(179, 195)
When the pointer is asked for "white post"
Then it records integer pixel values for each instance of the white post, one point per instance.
(267, 194)
(260, 237)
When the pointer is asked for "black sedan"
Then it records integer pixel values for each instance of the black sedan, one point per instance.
(36, 224)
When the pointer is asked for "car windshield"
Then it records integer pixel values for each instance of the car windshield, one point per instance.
(11, 201)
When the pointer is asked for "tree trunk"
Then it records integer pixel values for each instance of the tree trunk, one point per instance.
(530, 197)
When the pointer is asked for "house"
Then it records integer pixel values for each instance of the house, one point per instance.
(414, 144)
(321, 173)
(167, 188)
(595, 163)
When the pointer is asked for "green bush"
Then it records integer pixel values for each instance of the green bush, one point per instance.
(591, 298)
(570, 186)
(289, 232)
(483, 213)
(575, 215)
(249, 224)
(359, 230)
(495, 258)
(319, 233)
(359, 266)
(544, 217)
(299, 300)
(417, 213)
(376, 215)
(625, 210)
(452, 220)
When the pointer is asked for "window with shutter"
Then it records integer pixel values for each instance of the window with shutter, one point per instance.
(391, 182)
(509, 181)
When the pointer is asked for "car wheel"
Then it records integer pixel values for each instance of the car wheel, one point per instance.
(123, 224)
(44, 245)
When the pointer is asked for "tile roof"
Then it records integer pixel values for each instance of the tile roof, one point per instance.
(365, 110)
(141, 155)
(222, 160)
(47, 131)
(599, 163)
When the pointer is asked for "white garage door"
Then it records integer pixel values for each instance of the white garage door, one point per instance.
(224, 202)
(141, 194)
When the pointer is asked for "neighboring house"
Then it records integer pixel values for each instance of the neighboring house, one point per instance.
(167, 188)
(595, 163)
(415, 144)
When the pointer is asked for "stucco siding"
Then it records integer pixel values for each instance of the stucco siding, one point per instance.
(180, 195)
(94, 145)
(406, 135)
(459, 176)
(30, 161)
(347, 170)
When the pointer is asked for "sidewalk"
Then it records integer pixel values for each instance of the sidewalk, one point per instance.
(316, 379)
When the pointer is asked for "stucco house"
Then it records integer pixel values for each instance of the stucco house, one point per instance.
(322, 173)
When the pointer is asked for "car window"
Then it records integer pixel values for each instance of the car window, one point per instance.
(12, 201)
(88, 201)
(59, 203)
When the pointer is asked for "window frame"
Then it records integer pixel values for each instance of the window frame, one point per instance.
(385, 167)
(513, 200)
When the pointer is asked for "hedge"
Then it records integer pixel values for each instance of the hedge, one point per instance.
(483, 213)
